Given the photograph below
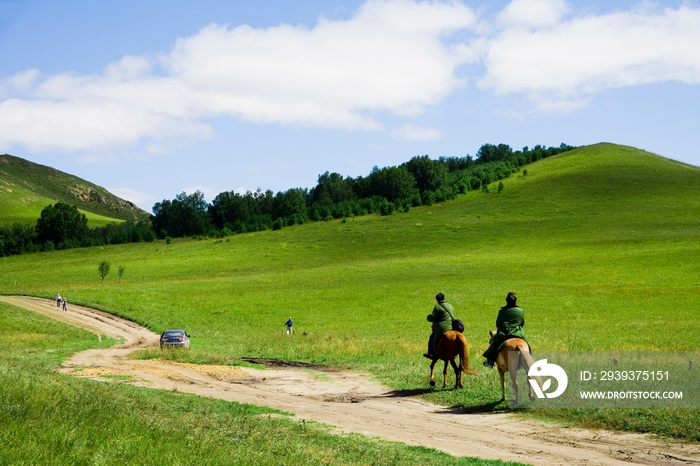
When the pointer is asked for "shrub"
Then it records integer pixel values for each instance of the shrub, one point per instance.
(387, 208)
(278, 224)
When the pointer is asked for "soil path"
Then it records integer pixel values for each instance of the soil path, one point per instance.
(353, 403)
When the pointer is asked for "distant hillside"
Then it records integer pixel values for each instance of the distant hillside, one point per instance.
(27, 187)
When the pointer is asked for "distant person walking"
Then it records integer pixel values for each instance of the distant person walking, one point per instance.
(289, 324)
(65, 304)
(58, 300)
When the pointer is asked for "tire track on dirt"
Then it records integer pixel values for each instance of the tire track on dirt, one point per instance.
(352, 403)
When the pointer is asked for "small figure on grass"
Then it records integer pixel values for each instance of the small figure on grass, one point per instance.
(289, 324)
(58, 300)
(65, 304)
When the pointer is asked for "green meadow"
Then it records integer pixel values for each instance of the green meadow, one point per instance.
(48, 418)
(27, 187)
(18, 205)
(600, 243)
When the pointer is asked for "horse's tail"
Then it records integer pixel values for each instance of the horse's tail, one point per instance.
(463, 348)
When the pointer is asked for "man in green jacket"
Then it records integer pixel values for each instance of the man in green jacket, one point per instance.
(441, 318)
(510, 323)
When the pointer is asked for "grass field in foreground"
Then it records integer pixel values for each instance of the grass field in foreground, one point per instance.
(49, 418)
(600, 243)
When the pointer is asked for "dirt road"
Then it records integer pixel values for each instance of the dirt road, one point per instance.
(351, 402)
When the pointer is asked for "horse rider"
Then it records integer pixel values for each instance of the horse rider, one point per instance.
(509, 323)
(441, 319)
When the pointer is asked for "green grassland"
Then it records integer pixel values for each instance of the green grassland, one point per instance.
(26, 188)
(600, 243)
(18, 205)
(48, 418)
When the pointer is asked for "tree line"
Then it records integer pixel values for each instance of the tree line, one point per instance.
(63, 226)
(420, 181)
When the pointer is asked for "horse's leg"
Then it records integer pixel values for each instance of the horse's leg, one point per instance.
(432, 374)
(444, 375)
(503, 384)
(514, 381)
(458, 374)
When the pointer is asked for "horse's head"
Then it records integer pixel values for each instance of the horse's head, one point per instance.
(491, 335)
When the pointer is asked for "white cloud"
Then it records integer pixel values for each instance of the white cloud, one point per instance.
(396, 57)
(141, 199)
(574, 59)
(532, 13)
(18, 83)
(391, 56)
(411, 132)
(209, 193)
(119, 107)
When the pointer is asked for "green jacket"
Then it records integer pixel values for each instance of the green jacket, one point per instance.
(441, 319)
(510, 322)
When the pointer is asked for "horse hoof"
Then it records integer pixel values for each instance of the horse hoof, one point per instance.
(432, 383)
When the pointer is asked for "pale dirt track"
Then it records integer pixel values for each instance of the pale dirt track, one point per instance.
(353, 403)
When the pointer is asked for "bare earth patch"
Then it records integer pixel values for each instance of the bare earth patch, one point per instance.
(352, 403)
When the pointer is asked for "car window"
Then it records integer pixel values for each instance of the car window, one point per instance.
(175, 333)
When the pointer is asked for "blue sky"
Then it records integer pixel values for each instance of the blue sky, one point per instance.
(152, 98)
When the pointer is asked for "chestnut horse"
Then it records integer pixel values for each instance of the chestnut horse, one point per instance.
(451, 345)
(514, 354)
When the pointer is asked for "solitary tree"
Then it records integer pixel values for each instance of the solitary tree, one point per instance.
(501, 187)
(120, 272)
(103, 270)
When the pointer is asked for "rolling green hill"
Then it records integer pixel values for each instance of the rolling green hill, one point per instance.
(599, 229)
(600, 243)
(26, 188)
